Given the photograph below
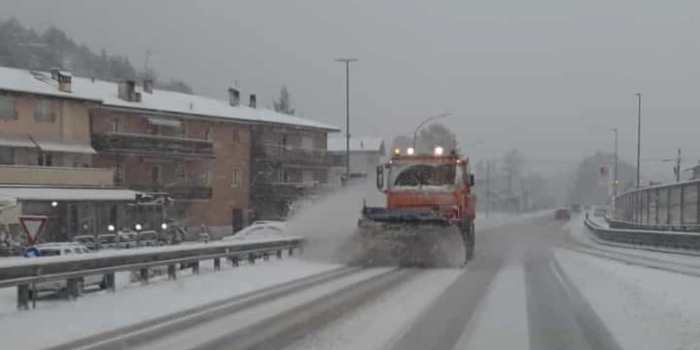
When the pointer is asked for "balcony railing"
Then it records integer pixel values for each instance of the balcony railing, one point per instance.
(181, 192)
(292, 155)
(158, 145)
(56, 176)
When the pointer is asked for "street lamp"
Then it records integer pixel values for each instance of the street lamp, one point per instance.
(426, 121)
(347, 62)
(615, 179)
(639, 135)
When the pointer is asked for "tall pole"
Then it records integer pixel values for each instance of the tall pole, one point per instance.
(615, 173)
(639, 136)
(488, 187)
(347, 113)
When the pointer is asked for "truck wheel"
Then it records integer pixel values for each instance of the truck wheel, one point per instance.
(468, 238)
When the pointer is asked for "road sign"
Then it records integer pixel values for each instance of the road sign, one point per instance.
(33, 225)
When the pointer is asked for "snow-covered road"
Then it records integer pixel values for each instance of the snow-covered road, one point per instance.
(525, 289)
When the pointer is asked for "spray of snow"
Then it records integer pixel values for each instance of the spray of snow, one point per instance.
(330, 222)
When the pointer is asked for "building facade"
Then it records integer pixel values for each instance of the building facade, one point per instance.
(365, 154)
(288, 163)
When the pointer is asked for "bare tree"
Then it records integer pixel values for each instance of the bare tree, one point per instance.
(284, 104)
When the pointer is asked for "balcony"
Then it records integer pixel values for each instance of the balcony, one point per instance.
(291, 155)
(178, 192)
(153, 145)
(55, 176)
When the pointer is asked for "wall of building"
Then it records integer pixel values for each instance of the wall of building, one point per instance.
(71, 122)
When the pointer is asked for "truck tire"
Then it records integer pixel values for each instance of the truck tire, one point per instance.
(468, 237)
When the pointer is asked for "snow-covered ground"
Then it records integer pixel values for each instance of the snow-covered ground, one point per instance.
(643, 308)
(59, 321)
(376, 324)
(489, 329)
(492, 220)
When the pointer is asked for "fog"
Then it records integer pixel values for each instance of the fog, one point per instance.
(547, 77)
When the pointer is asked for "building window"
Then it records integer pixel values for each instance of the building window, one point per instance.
(120, 175)
(236, 179)
(45, 159)
(307, 143)
(115, 125)
(7, 108)
(7, 155)
(236, 136)
(155, 174)
(180, 172)
(209, 134)
(43, 111)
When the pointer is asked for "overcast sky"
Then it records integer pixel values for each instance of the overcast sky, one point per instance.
(548, 77)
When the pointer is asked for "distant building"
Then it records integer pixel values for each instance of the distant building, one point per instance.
(365, 154)
(219, 161)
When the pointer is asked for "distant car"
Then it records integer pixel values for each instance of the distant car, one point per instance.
(108, 241)
(63, 249)
(562, 214)
(87, 240)
(204, 237)
(267, 228)
(147, 239)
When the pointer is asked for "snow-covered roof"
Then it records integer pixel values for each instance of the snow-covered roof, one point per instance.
(67, 194)
(357, 144)
(19, 80)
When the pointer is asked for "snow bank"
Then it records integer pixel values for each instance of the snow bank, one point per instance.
(102, 311)
(643, 308)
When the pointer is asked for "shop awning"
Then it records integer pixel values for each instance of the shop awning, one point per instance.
(165, 122)
(67, 194)
(54, 146)
(16, 141)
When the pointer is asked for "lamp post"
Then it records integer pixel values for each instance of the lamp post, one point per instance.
(615, 174)
(426, 121)
(347, 62)
(639, 135)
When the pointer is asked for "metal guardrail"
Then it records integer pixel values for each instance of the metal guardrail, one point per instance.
(28, 273)
(673, 206)
(665, 239)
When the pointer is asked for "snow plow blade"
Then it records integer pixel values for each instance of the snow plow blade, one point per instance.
(407, 237)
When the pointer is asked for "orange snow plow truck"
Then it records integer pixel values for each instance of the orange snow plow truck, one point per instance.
(429, 209)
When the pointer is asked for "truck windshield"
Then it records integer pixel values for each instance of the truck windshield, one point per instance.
(425, 174)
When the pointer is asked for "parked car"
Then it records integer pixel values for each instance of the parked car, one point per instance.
(562, 214)
(127, 240)
(87, 240)
(108, 241)
(267, 228)
(148, 239)
(63, 249)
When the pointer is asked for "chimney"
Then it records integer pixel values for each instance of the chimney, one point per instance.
(148, 86)
(127, 91)
(234, 97)
(54, 73)
(253, 101)
(65, 80)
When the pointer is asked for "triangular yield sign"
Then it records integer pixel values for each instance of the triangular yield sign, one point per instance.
(33, 225)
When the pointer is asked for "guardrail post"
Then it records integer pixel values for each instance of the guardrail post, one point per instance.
(217, 264)
(23, 297)
(143, 275)
(251, 258)
(195, 267)
(235, 260)
(109, 281)
(172, 272)
(279, 253)
(73, 288)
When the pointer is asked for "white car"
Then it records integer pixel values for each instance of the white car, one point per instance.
(65, 249)
(260, 229)
(108, 241)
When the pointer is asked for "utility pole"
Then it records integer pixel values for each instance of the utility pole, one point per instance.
(347, 62)
(488, 187)
(615, 173)
(639, 136)
(677, 168)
